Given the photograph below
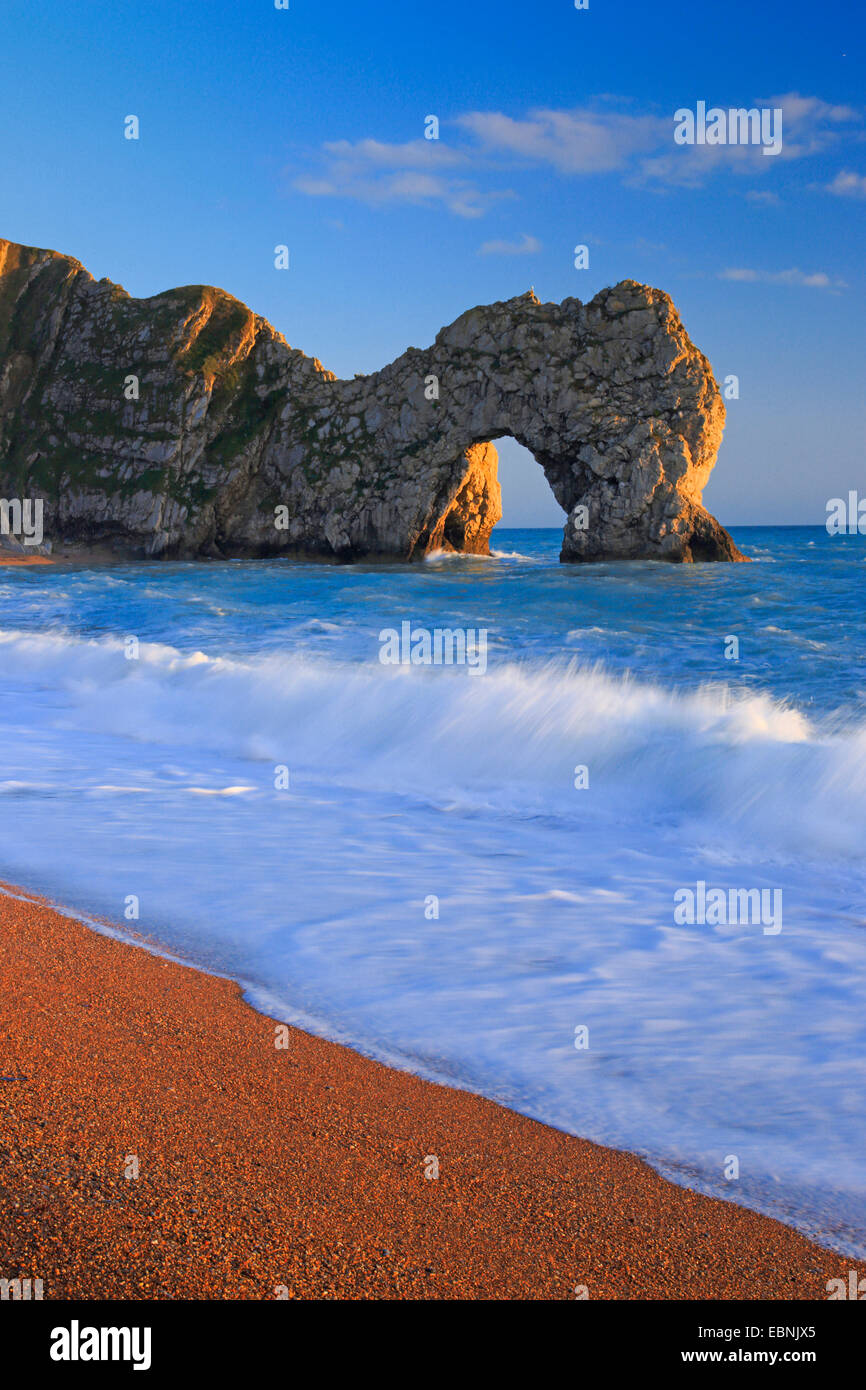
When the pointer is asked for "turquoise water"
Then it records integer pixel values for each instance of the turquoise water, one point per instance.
(158, 779)
(801, 624)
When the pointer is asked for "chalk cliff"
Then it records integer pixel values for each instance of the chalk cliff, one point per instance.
(185, 425)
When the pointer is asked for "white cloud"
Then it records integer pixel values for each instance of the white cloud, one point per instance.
(574, 142)
(456, 173)
(421, 172)
(811, 109)
(809, 124)
(527, 247)
(847, 184)
(363, 155)
(817, 280)
(689, 166)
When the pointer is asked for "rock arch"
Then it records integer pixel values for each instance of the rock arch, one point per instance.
(615, 403)
(232, 426)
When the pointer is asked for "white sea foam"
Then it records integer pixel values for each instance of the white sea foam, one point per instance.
(555, 904)
(748, 766)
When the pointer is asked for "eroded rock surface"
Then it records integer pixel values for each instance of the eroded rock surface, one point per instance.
(238, 444)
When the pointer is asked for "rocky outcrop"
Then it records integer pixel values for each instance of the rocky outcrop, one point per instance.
(185, 425)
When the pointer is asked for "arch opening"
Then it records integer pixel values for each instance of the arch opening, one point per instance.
(502, 484)
(528, 501)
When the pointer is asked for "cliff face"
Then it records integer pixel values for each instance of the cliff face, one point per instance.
(185, 425)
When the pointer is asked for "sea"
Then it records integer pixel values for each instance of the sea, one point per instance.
(613, 876)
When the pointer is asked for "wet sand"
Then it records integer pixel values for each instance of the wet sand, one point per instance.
(300, 1172)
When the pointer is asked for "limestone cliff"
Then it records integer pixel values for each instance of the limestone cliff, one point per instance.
(185, 425)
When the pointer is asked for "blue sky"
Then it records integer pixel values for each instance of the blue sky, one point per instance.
(305, 127)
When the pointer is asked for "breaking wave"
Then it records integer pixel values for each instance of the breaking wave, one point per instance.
(746, 767)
